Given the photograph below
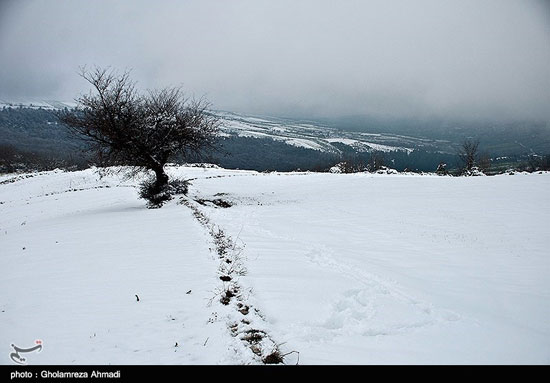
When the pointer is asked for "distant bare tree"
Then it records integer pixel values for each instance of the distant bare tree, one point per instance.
(484, 162)
(352, 165)
(376, 161)
(468, 153)
(537, 162)
(8, 157)
(125, 127)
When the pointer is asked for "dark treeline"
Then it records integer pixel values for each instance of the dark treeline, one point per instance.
(265, 154)
(497, 138)
(34, 139)
(37, 132)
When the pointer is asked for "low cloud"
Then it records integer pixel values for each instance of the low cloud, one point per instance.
(469, 59)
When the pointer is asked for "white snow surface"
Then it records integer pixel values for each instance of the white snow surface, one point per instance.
(344, 268)
(367, 146)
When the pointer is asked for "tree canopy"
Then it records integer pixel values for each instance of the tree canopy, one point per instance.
(144, 131)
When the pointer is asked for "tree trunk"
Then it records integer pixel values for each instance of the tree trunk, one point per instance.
(161, 180)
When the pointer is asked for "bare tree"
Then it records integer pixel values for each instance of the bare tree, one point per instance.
(352, 165)
(537, 162)
(484, 162)
(143, 131)
(468, 154)
(377, 160)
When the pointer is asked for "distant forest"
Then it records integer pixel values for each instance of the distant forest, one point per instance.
(34, 139)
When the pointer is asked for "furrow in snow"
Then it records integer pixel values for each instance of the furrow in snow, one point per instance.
(245, 322)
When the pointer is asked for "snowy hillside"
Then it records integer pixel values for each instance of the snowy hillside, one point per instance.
(41, 104)
(316, 136)
(304, 134)
(340, 268)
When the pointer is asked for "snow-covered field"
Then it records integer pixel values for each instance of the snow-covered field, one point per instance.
(313, 135)
(342, 268)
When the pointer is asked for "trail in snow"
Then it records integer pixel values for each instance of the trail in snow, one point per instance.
(245, 321)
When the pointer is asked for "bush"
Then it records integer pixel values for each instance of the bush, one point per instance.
(156, 197)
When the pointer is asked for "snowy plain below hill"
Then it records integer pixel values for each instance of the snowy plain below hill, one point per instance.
(341, 268)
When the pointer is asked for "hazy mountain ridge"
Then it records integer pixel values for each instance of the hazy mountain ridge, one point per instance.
(284, 144)
(40, 104)
(319, 136)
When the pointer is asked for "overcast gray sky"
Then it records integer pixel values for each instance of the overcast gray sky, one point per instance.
(468, 58)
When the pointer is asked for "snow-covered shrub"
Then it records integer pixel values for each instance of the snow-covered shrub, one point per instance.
(348, 166)
(204, 165)
(386, 170)
(177, 186)
(441, 169)
(156, 197)
(335, 169)
(475, 171)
